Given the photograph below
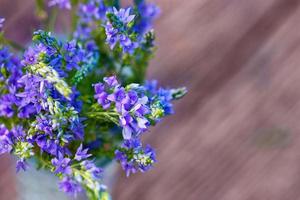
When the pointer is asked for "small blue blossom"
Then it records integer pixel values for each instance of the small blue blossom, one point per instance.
(22, 165)
(33, 96)
(62, 165)
(81, 153)
(30, 57)
(62, 4)
(148, 12)
(5, 140)
(133, 157)
(116, 30)
(95, 171)
(1, 22)
(70, 186)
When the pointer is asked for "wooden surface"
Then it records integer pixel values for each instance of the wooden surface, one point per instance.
(235, 136)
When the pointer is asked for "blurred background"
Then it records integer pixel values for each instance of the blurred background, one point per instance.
(235, 136)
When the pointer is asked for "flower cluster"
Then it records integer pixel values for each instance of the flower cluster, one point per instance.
(147, 13)
(131, 106)
(54, 110)
(117, 29)
(134, 108)
(89, 15)
(77, 171)
(133, 157)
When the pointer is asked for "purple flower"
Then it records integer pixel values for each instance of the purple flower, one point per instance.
(119, 96)
(50, 146)
(111, 81)
(133, 157)
(147, 14)
(62, 4)
(124, 15)
(5, 140)
(125, 122)
(132, 107)
(81, 153)
(116, 34)
(1, 22)
(103, 100)
(33, 95)
(62, 165)
(18, 132)
(127, 44)
(70, 186)
(6, 105)
(5, 144)
(22, 165)
(44, 124)
(95, 171)
(30, 57)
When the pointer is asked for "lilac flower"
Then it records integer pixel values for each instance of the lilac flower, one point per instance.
(101, 95)
(81, 153)
(115, 30)
(160, 98)
(1, 22)
(95, 171)
(124, 15)
(131, 107)
(89, 15)
(62, 165)
(5, 140)
(148, 12)
(44, 124)
(62, 4)
(111, 81)
(5, 145)
(119, 96)
(127, 44)
(12, 65)
(30, 57)
(22, 165)
(70, 186)
(7, 102)
(33, 96)
(133, 157)
(18, 132)
(50, 146)
(72, 55)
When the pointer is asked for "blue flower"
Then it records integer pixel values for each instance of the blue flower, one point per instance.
(70, 186)
(133, 157)
(117, 30)
(1, 22)
(148, 12)
(30, 57)
(96, 172)
(62, 4)
(5, 140)
(81, 153)
(22, 165)
(62, 165)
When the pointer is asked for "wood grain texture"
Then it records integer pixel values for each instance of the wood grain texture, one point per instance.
(235, 136)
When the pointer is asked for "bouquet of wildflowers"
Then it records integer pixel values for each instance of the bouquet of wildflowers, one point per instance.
(74, 105)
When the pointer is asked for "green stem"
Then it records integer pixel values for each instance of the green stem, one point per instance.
(108, 116)
(52, 20)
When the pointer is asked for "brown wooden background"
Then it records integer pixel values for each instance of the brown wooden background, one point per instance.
(235, 136)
